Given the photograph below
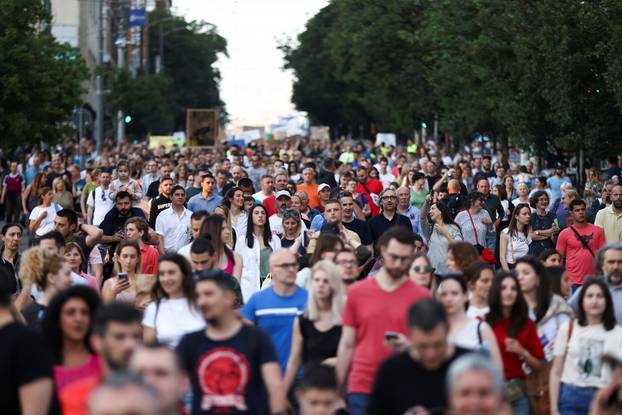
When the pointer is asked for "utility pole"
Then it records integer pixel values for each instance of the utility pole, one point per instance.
(121, 43)
(99, 85)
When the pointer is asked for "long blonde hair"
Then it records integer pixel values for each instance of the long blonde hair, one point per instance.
(36, 264)
(312, 312)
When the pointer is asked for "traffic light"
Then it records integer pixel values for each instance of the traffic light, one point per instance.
(424, 125)
(128, 119)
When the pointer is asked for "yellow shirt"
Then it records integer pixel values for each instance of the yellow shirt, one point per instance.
(610, 222)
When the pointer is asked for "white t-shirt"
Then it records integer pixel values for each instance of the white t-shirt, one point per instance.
(260, 196)
(469, 336)
(583, 366)
(101, 201)
(46, 224)
(175, 318)
(276, 225)
(174, 228)
(518, 247)
(476, 312)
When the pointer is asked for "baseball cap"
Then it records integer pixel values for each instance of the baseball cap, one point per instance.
(282, 193)
(322, 186)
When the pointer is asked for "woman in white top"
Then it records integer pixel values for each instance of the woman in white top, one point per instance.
(439, 233)
(172, 313)
(42, 216)
(522, 191)
(464, 331)
(515, 239)
(255, 248)
(479, 276)
(578, 370)
(234, 200)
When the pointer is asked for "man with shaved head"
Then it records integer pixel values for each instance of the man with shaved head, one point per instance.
(275, 308)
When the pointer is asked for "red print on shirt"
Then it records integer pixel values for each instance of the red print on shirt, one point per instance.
(223, 374)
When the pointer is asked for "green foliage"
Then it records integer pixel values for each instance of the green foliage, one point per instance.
(40, 79)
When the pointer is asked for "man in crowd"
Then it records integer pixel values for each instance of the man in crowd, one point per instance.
(493, 206)
(405, 209)
(275, 308)
(389, 217)
(348, 266)
(196, 221)
(162, 201)
(113, 225)
(221, 183)
(351, 222)
(369, 187)
(332, 218)
(601, 202)
(256, 171)
(367, 318)
(310, 187)
(280, 184)
(124, 393)
(327, 174)
(283, 202)
(610, 218)
(206, 200)
(267, 187)
(99, 201)
(173, 224)
(151, 175)
(154, 187)
(87, 236)
(201, 254)
(232, 365)
(556, 180)
(578, 243)
(307, 214)
(416, 378)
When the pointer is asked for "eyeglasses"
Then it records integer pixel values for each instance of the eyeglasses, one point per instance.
(287, 265)
(291, 213)
(423, 269)
(389, 198)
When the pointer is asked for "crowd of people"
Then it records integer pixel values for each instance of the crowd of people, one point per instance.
(309, 278)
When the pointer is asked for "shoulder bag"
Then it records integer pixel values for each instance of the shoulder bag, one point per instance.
(585, 244)
(485, 254)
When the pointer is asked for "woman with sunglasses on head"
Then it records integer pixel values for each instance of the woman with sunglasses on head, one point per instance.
(256, 247)
(464, 331)
(422, 273)
(517, 337)
(479, 276)
(172, 313)
(514, 240)
(67, 330)
(224, 258)
(578, 371)
(316, 333)
(439, 230)
(293, 237)
(549, 312)
(542, 223)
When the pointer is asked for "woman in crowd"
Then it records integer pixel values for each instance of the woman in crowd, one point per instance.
(517, 338)
(542, 223)
(316, 333)
(224, 258)
(292, 170)
(508, 183)
(508, 207)
(292, 237)
(464, 331)
(475, 221)
(551, 258)
(181, 175)
(439, 233)
(515, 239)
(62, 196)
(418, 192)
(460, 256)
(137, 229)
(122, 287)
(291, 186)
(479, 276)
(75, 258)
(558, 278)
(578, 371)
(360, 198)
(172, 312)
(326, 247)
(231, 234)
(30, 197)
(255, 248)
(593, 186)
(50, 274)
(549, 312)
(234, 200)
(522, 192)
(42, 216)
(422, 273)
(67, 330)
(11, 235)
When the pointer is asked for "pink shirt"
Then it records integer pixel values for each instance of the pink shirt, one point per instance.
(372, 312)
(64, 376)
(579, 261)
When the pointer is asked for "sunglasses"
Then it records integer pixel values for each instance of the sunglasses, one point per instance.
(423, 269)
(291, 213)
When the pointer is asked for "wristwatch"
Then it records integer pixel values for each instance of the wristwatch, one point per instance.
(537, 232)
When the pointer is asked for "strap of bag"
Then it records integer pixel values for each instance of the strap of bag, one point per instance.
(585, 244)
(474, 229)
(511, 247)
(479, 333)
(570, 327)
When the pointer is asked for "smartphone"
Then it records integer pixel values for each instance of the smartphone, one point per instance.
(123, 276)
(391, 335)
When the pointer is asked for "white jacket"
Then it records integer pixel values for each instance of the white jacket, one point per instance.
(250, 281)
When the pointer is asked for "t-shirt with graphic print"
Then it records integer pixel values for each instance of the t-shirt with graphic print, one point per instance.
(226, 374)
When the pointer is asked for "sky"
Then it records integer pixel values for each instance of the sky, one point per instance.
(254, 86)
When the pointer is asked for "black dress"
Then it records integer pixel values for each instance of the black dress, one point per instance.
(317, 345)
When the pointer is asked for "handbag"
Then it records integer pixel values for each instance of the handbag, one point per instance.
(485, 254)
(515, 389)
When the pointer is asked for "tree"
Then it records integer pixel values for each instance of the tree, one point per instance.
(40, 79)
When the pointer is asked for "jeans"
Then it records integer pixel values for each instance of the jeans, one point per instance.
(491, 240)
(574, 400)
(521, 406)
(358, 403)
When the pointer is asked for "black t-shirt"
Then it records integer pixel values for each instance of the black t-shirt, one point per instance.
(8, 276)
(379, 224)
(33, 314)
(226, 375)
(402, 383)
(114, 223)
(154, 189)
(22, 360)
(361, 229)
(158, 205)
(317, 345)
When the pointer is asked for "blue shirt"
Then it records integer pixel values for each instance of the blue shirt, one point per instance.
(555, 183)
(413, 214)
(198, 202)
(275, 314)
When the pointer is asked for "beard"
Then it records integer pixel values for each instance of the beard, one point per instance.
(617, 204)
(396, 272)
(614, 278)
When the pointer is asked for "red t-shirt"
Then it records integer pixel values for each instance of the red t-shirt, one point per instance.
(372, 186)
(270, 204)
(148, 259)
(579, 261)
(367, 310)
(527, 337)
(311, 191)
